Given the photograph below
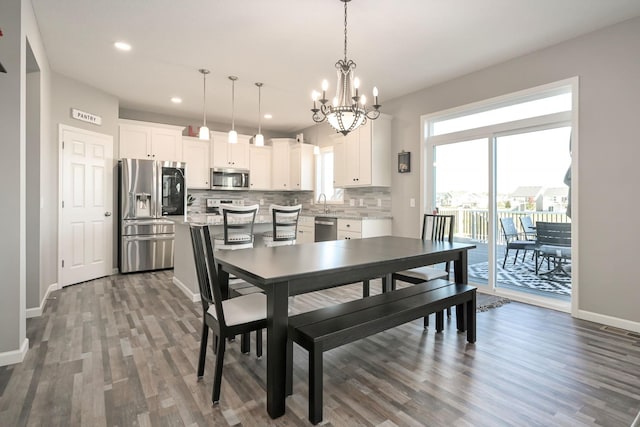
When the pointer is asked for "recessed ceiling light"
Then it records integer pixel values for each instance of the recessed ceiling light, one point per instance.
(176, 100)
(268, 116)
(122, 46)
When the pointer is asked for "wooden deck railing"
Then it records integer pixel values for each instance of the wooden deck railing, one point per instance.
(473, 223)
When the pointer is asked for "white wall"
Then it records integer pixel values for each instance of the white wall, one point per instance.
(608, 65)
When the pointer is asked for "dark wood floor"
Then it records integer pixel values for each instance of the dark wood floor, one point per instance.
(122, 351)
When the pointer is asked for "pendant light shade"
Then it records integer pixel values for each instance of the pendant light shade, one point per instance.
(204, 130)
(259, 139)
(233, 135)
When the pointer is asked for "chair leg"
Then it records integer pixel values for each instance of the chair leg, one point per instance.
(426, 322)
(515, 258)
(217, 377)
(448, 311)
(259, 343)
(439, 321)
(203, 350)
(245, 343)
(289, 371)
(506, 253)
(366, 288)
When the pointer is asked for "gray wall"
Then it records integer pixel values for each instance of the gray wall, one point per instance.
(12, 206)
(33, 295)
(608, 64)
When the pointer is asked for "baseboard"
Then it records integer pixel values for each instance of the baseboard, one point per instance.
(185, 289)
(14, 356)
(37, 311)
(615, 322)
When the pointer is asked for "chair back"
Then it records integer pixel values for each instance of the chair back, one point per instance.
(553, 233)
(210, 293)
(509, 229)
(285, 222)
(438, 228)
(238, 224)
(527, 226)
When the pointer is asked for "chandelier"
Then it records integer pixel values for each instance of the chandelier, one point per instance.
(348, 109)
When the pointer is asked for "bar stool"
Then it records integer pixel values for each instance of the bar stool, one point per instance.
(285, 225)
(238, 227)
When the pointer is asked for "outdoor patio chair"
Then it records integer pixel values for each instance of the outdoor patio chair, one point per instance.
(528, 228)
(553, 244)
(512, 238)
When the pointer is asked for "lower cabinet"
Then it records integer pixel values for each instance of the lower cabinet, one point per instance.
(363, 228)
(306, 230)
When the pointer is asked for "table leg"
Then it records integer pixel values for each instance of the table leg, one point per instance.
(223, 279)
(460, 266)
(277, 324)
(387, 283)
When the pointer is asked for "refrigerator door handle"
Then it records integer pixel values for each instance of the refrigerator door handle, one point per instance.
(149, 237)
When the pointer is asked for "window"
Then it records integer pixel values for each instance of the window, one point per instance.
(324, 177)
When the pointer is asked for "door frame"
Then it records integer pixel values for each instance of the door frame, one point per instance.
(61, 129)
(491, 132)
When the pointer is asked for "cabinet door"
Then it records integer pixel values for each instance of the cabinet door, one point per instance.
(352, 162)
(135, 142)
(260, 168)
(196, 154)
(219, 151)
(166, 144)
(280, 166)
(239, 153)
(339, 163)
(295, 160)
(364, 154)
(305, 235)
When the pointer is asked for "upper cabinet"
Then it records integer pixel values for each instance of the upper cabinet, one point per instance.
(143, 140)
(225, 155)
(259, 168)
(195, 153)
(292, 165)
(363, 157)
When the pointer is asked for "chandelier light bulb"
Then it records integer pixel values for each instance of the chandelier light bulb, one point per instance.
(375, 91)
(356, 83)
(363, 100)
(314, 96)
(325, 85)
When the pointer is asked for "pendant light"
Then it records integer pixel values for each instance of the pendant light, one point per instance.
(259, 140)
(204, 130)
(233, 135)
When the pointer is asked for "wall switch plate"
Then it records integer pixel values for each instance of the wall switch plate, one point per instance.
(412, 202)
(261, 202)
(352, 202)
(361, 202)
(379, 203)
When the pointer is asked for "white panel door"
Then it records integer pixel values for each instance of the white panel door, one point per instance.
(196, 154)
(87, 197)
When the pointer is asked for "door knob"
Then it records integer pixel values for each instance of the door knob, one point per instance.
(107, 214)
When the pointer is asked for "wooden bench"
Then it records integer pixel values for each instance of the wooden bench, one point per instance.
(330, 327)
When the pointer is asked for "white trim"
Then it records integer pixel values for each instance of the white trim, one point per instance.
(615, 322)
(539, 301)
(37, 311)
(185, 290)
(15, 356)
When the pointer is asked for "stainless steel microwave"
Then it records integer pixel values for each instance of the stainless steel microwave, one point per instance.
(229, 179)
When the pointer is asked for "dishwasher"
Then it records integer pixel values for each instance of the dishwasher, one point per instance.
(326, 228)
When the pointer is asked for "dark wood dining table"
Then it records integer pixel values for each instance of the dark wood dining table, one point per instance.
(283, 271)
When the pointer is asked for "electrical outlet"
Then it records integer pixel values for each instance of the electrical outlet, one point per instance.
(352, 202)
(379, 203)
(412, 202)
(361, 202)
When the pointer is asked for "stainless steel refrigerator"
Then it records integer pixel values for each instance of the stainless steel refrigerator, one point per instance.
(150, 190)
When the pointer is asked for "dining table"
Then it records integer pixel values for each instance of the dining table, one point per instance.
(285, 271)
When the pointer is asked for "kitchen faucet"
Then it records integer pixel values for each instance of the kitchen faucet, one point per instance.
(322, 195)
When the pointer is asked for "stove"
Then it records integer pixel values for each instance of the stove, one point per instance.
(213, 205)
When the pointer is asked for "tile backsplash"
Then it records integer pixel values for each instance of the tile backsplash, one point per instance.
(376, 201)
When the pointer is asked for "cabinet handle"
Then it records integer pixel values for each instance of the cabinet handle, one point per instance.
(348, 225)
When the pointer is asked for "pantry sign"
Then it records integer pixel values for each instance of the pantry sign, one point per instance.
(86, 117)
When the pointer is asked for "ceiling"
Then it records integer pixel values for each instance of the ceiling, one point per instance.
(290, 46)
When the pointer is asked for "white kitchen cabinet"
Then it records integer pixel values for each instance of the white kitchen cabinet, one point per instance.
(292, 165)
(195, 152)
(306, 230)
(225, 155)
(144, 140)
(260, 168)
(302, 163)
(362, 228)
(280, 163)
(363, 157)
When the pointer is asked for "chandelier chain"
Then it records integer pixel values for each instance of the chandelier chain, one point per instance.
(345, 31)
